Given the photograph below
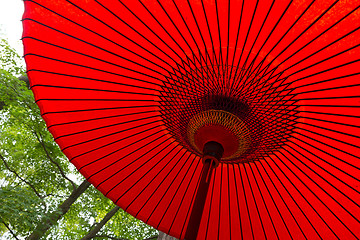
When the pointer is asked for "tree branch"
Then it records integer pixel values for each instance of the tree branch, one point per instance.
(98, 226)
(151, 238)
(50, 219)
(22, 179)
(164, 236)
(39, 138)
(110, 237)
(8, 228)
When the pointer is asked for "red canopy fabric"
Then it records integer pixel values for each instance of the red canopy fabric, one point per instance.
(117, 83)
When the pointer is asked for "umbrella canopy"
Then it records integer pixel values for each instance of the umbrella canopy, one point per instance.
(132, 90)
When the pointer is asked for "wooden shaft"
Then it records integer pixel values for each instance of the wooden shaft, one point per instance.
(198, 206)
(213, 152)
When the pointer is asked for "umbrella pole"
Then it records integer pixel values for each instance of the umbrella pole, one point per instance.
(212, 154)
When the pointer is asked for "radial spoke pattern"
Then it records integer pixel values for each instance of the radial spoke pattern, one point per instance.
(118, 82)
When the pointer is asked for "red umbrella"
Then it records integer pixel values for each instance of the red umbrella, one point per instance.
(137, 93)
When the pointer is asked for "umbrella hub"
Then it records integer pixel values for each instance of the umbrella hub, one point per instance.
(221, 127)
(212, 152)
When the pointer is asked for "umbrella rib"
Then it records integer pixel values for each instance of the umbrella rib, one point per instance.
(333, 114)
(99, 59)
(272, 93)
(183, 196)
(172, 38)
(328, 58)
(321, 34)
(275, 164)
(258, 67)
(92, 89)
(258, 79)
(201, 35)
(328, 121)
(324, 60)
(169, 187)
(238, 205)
(166, 176)
(211, 37)
(99, 109)
(128, 189)
(253, 197)
(245, 199)
(221, 61)
(148, 29)
(318, 198)
(189, 85)
(149, 182)
(324, 81)
(194, 55)
(235, 47)
(323, 120)
(334, 176)
(111, 134)
(179, 185)
(303, 32)
(335, 55)
(169, 107)
(99, 80)
(273, 201)
(338, 149)
(227, 49)
(192, 36)
(306, 85)
(256, 106)
(92, 68)
(101, 118)
(329, 105)
(251, 71)
(107, 25)
(95, 34)
(93, 99)
(345, 172)
(262, 83)
(328, 162)
(282, 198)
(333, 97)
(256, 38)
(117, 150)
(336, 131)
(106, 126)
(123, 157)
(177, 29)
(193, 72)
(263, 116)
(263, 200)
(243, 47)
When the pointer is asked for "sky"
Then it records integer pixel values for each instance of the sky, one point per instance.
(10, 22)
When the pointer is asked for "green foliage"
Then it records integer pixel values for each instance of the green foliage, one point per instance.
(28, 176)
(35, 175)
(18, 207)
(10, 60)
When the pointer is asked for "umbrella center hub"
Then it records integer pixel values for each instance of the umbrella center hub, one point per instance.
(221, 127)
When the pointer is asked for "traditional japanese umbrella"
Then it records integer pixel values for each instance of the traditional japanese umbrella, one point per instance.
(218, 119)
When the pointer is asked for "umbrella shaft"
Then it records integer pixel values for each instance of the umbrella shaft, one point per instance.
(198, 206)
